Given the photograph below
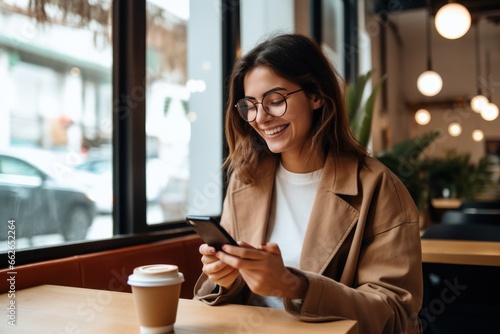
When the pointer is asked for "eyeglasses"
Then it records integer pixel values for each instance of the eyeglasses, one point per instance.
(273, 103)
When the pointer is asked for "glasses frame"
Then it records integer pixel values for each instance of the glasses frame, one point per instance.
(285, 97)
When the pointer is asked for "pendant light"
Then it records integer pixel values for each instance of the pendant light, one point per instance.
(477, 135)
(429, 83)
(490, 112)
(422, 116)
(455, 129)
(479, 101)
(452, 20)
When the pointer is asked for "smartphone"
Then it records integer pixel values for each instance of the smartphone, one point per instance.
(209, 229)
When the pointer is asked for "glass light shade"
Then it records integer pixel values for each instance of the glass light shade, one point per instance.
(478, 102)
(452, 21)
(429, 83)
(454, 129)
(477, 135)
(490, 112)
(422, 117)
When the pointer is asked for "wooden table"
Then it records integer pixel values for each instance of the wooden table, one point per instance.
(58, 309)
(461, 252)
(446, 203)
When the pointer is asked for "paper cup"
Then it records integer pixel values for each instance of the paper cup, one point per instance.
(156, 289)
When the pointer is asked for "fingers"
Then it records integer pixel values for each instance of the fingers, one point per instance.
(247, 258)
(220, 273)
(245, 251)
(226, 277)
(207, 250)
(271, 248)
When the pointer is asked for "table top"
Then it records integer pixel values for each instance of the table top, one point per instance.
(446, 203)
(60, 309)
(461, 252)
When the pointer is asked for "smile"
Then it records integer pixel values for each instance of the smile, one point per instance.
(275, 130)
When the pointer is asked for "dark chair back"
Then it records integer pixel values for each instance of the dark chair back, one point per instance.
(477, 232)
(481, 205)
(468, 217)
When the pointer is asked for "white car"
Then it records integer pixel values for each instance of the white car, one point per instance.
(97, 173)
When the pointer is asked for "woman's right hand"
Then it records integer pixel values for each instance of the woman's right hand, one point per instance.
(216, 270)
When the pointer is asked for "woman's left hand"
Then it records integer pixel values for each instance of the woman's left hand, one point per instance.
(264, 271)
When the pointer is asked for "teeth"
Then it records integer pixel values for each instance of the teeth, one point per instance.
(275, 130)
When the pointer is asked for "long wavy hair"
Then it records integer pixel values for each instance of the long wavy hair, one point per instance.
(300, 60)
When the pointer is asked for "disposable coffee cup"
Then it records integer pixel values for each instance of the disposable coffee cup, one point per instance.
(156, 290)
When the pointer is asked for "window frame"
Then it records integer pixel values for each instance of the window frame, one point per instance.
(129, 134)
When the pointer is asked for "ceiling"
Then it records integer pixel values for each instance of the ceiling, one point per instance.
(488, 9)
(455, 60)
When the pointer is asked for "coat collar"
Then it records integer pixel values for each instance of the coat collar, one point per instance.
(331, 219)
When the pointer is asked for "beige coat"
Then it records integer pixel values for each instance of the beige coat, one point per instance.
(361, 252)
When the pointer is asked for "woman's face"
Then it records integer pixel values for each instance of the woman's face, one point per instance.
(286, 134)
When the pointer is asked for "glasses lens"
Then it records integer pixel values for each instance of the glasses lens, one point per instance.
(274, 104)
(247, 109)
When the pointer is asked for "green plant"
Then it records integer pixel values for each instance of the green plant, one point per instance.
(454, 175)
(405, 160)
(361, 114)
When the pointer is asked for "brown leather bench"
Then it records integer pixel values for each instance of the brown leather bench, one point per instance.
(109, 270)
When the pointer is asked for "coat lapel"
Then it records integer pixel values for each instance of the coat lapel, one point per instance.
(331, 218)
(252, 204)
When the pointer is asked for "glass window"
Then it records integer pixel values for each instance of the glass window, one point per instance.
(16, 167)
(55, 74)
(183, 110)
(56, 117)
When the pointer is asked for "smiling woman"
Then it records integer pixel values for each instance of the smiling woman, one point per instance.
(312, 212)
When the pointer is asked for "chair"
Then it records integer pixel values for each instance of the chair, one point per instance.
(478, 232)
(461, 298)
(481, 205)
(467, 217)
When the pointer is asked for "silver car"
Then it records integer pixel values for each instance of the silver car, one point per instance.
(42, 196)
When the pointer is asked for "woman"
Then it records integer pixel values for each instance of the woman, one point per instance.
(326, 231)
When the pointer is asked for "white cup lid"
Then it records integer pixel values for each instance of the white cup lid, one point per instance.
(156, 275)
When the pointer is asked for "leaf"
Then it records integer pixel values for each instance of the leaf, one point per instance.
(365, 122)
(361, 115)
(354, 94)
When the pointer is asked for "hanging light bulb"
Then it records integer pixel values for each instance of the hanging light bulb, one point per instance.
(429, 83)
(477, 135)
(454, 129)
(422, 117)
(490, 112)
(479, 101)
(452, 21)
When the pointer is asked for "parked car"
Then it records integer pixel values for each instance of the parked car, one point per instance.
(96, 172)
(42, 195)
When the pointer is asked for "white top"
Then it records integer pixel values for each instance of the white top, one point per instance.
(291, 206)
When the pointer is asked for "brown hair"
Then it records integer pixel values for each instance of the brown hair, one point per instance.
(298, 59)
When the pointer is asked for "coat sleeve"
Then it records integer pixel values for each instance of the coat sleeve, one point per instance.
(209, 292)
(386, 293)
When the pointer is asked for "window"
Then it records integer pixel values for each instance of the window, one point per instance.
(55, 74)
(59, 115)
